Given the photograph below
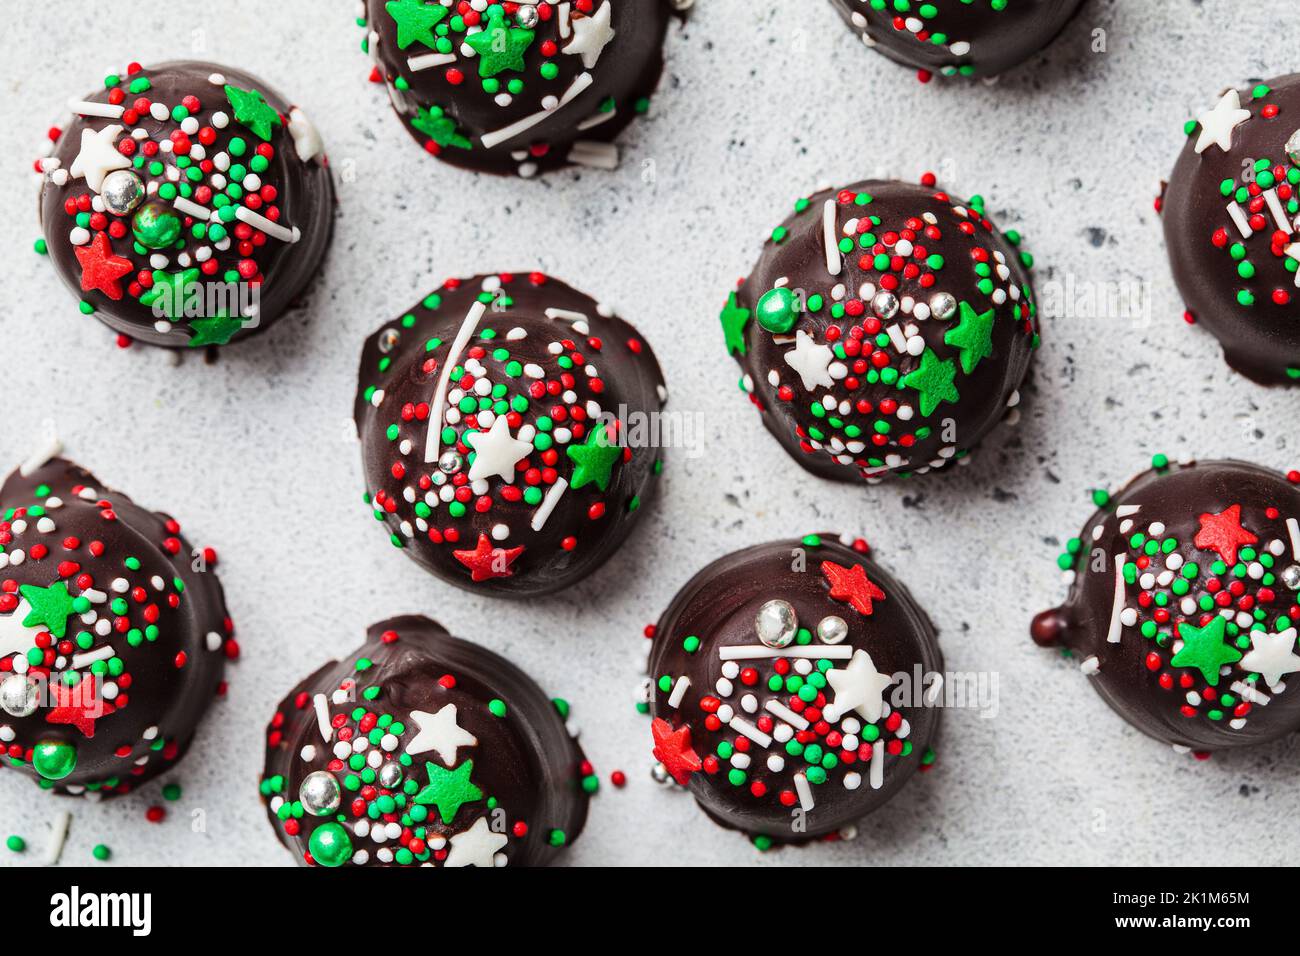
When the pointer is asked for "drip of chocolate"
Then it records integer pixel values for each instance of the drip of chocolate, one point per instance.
(886, 328)
(958, 37)
(1183, 603)
(187, 204)
(1230, 214)
(508, 432)
(113, 633)
(518, 88)
(794, 687)
(421, 749)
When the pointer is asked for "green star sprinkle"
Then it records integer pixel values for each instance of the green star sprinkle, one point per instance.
(415, 21)
(169, 291)
(217, 330)
(498, 46)
(595, 459)
(973, 334)
(51, 607)
(439, 127)
(449, 790)
(1204, 649)
(933, 379)
(252, 111)
(734, 320)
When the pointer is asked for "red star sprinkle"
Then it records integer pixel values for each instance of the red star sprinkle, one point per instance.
(1223, 533)
(78, 706)
(100, 268)
(486, 562)
(673, 750)
(851, 584)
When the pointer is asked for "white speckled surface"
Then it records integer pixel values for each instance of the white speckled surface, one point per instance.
(255, 453)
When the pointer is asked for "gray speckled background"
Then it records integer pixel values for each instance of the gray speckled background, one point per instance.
(255, 455)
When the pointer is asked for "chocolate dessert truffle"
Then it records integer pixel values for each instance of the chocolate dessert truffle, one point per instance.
(113, 633)
(1231, 211)
(957, 37)
(186, 204)
(423, 749)
(508, 432)
(518, 87)
(886, 328)
(793, 688)
(1183, 603)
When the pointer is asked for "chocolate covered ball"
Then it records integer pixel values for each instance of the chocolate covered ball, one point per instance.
(1183, 603)
(509, 432)
(518, 87)
(113, 633)
(186, 204)
(421, 749)
(957, 37)
(793, 687)
(1231, 211)
(886, 329)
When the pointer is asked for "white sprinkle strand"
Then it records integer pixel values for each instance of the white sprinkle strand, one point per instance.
(497, 137)
(472, 319)
(802, 788)
(323, 716)
(548, 504)
(679, 691)
(744, 727)
(833, 263)
(58, 836)
(774, 706)
(1117, 606)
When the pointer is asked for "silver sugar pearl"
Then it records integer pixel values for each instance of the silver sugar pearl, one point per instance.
(659, 773)
(943, 305)
(388, 340)
(1293, 147)
(319, 793)
(832, 629)
(390, 775)
(450, 462)
(121, 190)
(776, 624)
(885, 304)
(1291, 576)
(527, 16)
(19, 696)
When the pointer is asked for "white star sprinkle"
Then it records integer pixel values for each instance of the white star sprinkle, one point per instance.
(98, 156)
(476, 846)
(590, 34)
(1272, 655)
(440, 732)
(811, 361)
(857, 687)
(496, 451)
(1217, 124)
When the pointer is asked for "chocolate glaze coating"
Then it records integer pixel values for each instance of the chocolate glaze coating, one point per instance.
(145, 638)
(978, 40)
(1221, 539)
(567, 381)
(865, 761)
(524, 760)
(1241, 288)
(599, 79)
(257, 274)
(833, 374)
